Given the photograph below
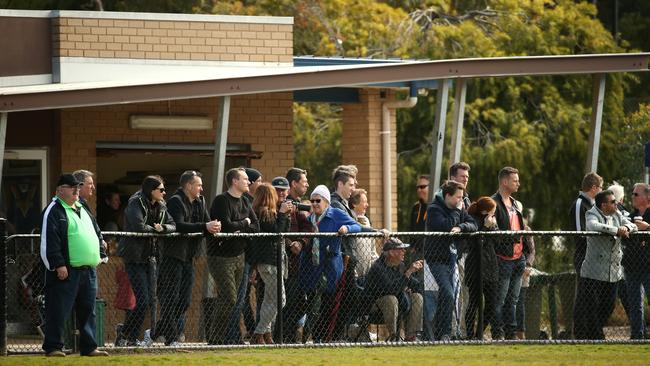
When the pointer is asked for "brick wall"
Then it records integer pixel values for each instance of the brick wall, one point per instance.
(172, 40)
(361, 146)
(262, 120)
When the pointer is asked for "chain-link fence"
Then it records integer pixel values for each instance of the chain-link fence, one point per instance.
(326, 288)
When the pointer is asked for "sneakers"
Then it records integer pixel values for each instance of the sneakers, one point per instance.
(55, 353)
(147, 341)
(120, 340)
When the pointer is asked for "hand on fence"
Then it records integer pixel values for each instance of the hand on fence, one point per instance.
(213, 227)
(343, 230)
(295, 247)
(623, 232)
(641, 225)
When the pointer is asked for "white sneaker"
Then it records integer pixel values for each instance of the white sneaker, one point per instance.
(147, 341)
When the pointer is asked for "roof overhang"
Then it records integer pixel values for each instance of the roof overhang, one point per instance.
(278, 79)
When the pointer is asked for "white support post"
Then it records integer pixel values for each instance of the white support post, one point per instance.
(439, 136)
(220, 143)
(598, 99)
(459, 116)
(4, 116)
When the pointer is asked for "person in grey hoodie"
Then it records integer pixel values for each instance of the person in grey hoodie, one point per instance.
(601, 269)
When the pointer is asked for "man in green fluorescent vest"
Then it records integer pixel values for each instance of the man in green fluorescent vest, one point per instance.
(70, 250)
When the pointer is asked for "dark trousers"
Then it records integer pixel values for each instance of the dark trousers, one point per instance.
(292, 311)
(489, 296)
(593, 299)
(140, 278)
(175, 282)
(77, 292)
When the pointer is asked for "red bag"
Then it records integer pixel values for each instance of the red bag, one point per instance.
(124, 298)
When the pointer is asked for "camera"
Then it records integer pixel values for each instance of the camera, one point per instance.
(300, 206)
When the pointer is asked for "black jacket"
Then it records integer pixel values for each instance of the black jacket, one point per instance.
(264, 250)
(636, 250)
(232, 212)
(54, 236)
(141, 216)
(481, 259)
(579, 208)
(441, 218)
(189, 217)
(383, 280)
(418, 217)
(506, 246)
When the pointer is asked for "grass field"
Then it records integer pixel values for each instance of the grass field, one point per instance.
(529, 355)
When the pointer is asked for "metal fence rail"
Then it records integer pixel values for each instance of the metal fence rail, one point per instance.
(334, 297)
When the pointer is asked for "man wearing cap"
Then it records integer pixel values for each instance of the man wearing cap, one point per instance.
(323, 259)
(70, 250)
(298, 186)
(393, 290)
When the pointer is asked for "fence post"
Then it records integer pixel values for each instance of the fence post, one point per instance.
(552, 309)
(280, 286)
(481, 307)
(3, 283)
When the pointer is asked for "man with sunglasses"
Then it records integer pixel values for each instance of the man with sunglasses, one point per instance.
(601, 269)
(70, 250)
(636, 260)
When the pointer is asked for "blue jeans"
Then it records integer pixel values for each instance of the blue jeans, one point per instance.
(510, 274)
(140, 278)
(430, 306)
(78, 292)
(634, 282)
(444, 276)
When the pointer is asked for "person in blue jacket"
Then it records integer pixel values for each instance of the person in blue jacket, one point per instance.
(321, 264)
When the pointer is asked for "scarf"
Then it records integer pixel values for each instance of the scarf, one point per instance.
(315, 244)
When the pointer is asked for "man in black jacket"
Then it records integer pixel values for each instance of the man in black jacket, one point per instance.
(510, 252)
(226, 257)
(176, 273)
(393, 290)
(444, 215)
(70, 250)
(592, 183)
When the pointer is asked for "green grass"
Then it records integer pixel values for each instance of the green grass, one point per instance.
(529, 355)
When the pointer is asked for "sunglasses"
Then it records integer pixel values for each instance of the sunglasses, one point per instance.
(162, 190)
(612, 202)
(315, 201)
(422, 186)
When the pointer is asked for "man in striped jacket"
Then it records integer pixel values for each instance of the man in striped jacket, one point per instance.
(70, 250)
(592, 183)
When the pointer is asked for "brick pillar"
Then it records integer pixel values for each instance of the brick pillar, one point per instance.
(362, 147)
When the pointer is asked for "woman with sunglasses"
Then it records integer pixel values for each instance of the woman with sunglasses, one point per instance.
(146, 213)
(323, 260)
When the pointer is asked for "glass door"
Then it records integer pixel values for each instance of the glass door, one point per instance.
(24, 191)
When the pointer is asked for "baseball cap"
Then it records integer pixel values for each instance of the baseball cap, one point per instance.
(394, 243)
(69, 180)
(280, 182)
